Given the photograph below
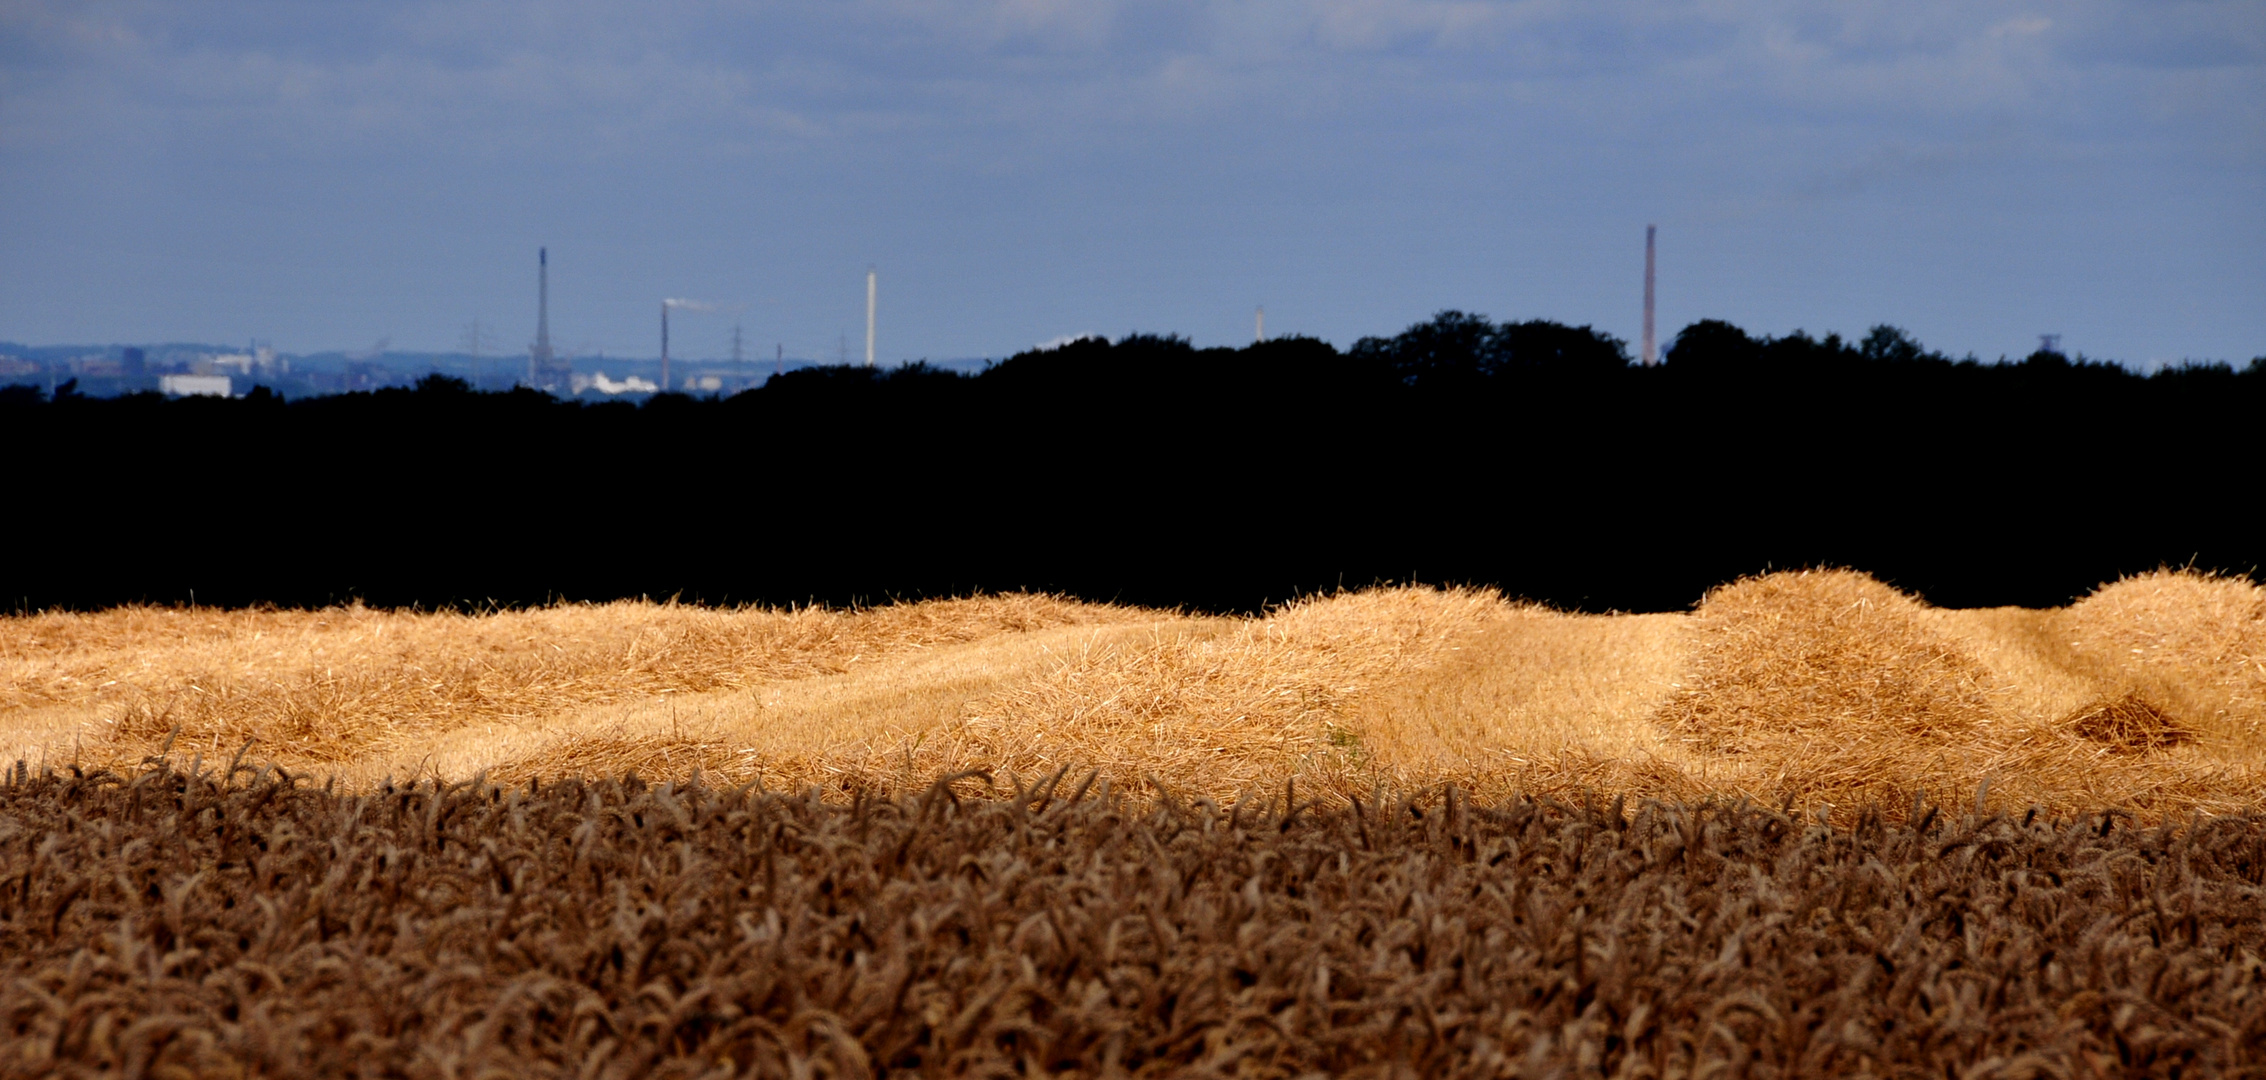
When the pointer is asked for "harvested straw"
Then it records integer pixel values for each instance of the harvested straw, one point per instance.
(1211, 707)
(1827, 687)
(1820, 663)
(2194, 641)
(1822, 687)
(2128, 724)
(1223, 713)
(332, 686)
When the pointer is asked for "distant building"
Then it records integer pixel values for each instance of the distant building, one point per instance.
(261, 361)
(598, 381)
(195, 385)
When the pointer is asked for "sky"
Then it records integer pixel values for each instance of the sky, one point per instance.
(330, 175)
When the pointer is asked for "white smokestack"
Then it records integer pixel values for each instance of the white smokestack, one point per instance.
(673, 302)
(1259, 331)
(869, 297)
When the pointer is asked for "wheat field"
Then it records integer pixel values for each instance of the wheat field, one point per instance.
(224, 925)
(1823, 689)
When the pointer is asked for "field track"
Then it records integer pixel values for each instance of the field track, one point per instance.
(241, 923)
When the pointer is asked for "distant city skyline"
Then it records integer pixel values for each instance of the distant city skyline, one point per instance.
(327, 177)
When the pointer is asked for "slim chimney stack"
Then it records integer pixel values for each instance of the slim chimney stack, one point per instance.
(543, 300)
(1649, 355)
(539, 357)
(869, 286)
(664, 347)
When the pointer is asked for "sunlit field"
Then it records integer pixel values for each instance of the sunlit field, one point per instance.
(1811, 827)
(1817, 689)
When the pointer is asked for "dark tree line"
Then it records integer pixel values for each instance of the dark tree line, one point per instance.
(1530, 456)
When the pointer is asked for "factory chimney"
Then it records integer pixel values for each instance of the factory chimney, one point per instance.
(664, 347)
(869, 284)
(1649, 355)
(539, 357)
(1259, 330)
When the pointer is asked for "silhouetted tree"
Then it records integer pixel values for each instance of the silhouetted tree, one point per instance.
(1527, 456)
(1889, 344)
(1712, 345)
(1449, 351)
(1541, 347)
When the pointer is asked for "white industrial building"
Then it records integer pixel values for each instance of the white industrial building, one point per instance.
(195, 385)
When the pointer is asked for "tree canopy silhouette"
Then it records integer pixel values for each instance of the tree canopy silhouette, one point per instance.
(1530, 456)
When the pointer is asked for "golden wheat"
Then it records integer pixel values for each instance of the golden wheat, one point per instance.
(238, 923)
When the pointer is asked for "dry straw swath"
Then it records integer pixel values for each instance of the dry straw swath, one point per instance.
(1820, 688)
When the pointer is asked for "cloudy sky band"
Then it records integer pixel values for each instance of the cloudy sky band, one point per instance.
(325, 174)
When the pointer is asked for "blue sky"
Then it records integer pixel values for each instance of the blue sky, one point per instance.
(328, 174)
